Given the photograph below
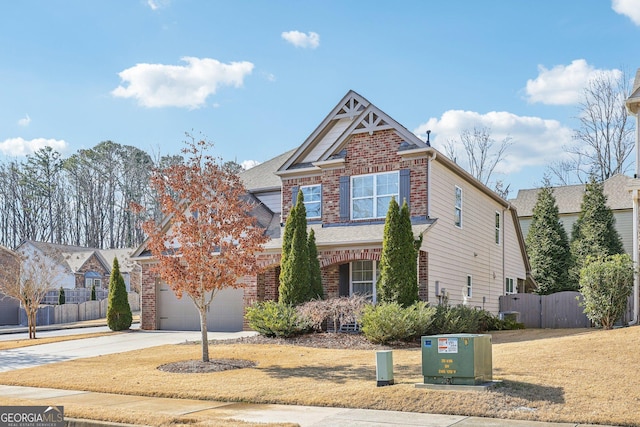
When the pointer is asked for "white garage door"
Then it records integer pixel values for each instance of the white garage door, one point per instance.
(225, 313)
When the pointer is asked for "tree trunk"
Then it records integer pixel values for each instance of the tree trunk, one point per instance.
(31, 320)
(203, 329)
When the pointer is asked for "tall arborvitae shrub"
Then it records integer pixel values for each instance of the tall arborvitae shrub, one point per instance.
(548, 245)
(294, 264)
(61, 297)
(594, 233)
(118, 310)
(93, 293)
(315, 274)
(398, 280)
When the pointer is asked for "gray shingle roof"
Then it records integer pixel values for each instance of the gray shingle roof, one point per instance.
(350, 235)
(569, 197)
(262, 176)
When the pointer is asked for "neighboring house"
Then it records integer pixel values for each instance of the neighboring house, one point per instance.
(80, 267)
(569, 202)
(9, 307)
(348, 169)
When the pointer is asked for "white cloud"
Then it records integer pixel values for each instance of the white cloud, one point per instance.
(24, 121)
(21, 147)
(630, 8)
(158, 4)
(310, 40)
(248, 164)
(563, 85)
(535, 141)
(159, 85)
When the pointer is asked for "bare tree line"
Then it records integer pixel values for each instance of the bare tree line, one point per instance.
(81, 200)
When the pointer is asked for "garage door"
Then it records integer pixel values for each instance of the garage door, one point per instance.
(225, 313)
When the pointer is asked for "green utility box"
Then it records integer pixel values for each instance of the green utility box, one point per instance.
(457, 359)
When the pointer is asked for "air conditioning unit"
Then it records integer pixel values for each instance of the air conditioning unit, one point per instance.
(457, 359)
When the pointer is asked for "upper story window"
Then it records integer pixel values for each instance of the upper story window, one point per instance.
(497, 228)
(458, 208)
(312, 200)
(371, 194)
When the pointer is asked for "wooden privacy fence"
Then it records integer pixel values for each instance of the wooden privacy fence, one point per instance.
(67, 313)
(555, 311)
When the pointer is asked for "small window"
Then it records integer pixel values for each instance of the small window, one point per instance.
(97, 283)
(88, 282)
(497, 228)
(508, 286)
(458, 208)
(469, 286)
(312, 200)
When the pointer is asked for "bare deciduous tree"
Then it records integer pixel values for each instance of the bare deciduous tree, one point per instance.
(604, 139)
(28, 280)
(482, 154)
(210, 239)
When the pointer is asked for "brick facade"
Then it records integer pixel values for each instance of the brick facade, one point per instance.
(92, 264)
(366, 154)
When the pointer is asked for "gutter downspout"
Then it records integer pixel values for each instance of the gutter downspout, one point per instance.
(636, 256)
(431, 158)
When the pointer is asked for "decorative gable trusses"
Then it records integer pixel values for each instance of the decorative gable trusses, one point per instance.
(353, 115)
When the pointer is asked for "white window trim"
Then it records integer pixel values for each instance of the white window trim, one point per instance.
(498, 227)
(469, 293)
(319, 201)
(513, 290)
(374, 296)
(457, 208)
(375, 195)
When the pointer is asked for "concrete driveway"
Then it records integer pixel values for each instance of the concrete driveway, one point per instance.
(37, 355)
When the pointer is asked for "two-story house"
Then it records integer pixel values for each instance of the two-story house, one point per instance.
(348, 169)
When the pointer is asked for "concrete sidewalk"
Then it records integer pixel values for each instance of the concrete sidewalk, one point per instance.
(305, 416)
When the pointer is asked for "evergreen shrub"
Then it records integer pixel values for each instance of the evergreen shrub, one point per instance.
(275, 319)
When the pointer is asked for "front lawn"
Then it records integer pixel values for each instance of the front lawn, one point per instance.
(579, 376)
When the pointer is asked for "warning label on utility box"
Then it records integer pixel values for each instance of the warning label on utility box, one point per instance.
(447, 345)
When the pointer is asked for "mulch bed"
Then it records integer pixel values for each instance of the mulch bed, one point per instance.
(343, 340)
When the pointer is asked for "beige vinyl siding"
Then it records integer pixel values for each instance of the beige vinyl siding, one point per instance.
(624, 225)
(455, 253)
(272, 200)
(328, 140)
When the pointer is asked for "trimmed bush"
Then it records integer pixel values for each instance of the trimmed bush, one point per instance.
(387, 322)
(274, 319)
(61, 297)
(93, 292)
(462, 319)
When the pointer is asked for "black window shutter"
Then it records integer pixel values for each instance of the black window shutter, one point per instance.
(294, 195)
(343, 287)
(405, 187)
(344, 198)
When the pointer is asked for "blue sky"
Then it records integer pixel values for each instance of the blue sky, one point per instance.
(257, 77)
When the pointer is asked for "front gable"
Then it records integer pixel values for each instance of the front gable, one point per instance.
(357, 139)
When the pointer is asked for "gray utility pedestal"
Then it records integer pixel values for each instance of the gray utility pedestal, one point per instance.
(384, 367)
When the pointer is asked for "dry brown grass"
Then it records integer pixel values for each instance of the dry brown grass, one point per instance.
(578, 376)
